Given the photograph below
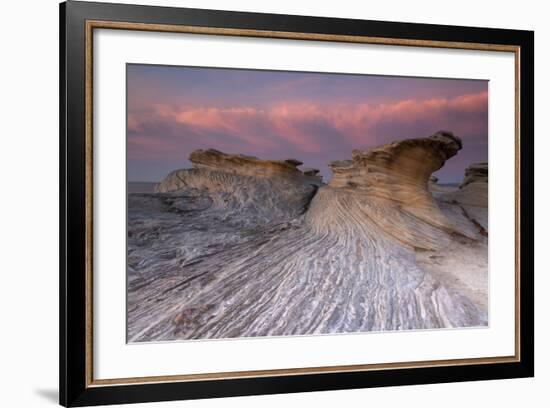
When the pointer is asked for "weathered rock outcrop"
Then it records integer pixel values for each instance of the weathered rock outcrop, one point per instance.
(476, 173)
(244, 165)
(246, 188)
(241, 247)
(472, 195)
(239, 165)
(399, 167)
(311, 172)
(391, 185)
(473, 191)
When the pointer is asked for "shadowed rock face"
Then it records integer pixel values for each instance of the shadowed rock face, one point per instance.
(472, 195)
(473, 191)
(241, 247)
(476, 173)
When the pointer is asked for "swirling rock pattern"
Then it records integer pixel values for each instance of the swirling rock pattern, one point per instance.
(243, 247)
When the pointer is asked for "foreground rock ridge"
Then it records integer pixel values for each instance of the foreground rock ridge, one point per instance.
(237, 246)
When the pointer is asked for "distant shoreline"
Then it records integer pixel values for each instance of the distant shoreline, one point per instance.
(141, 187)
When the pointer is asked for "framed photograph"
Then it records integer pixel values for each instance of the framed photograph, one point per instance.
(256, 203)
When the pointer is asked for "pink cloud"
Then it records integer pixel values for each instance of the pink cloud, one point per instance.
(306, 126)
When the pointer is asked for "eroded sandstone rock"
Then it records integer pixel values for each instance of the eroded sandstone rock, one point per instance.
(247, 189)
(472, 195)
(476, 173)
(391, 183)
(405, 164)
(245, 165)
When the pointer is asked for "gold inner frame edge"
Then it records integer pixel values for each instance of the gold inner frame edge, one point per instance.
(119, 25)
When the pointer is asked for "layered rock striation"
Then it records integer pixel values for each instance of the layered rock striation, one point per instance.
(391, 184)
(212, 160)
(242, 247)
(244, 188)
(399, 167)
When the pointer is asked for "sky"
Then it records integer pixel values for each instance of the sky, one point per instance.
(313, 117)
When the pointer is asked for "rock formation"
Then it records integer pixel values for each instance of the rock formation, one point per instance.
(244, 165)
(402, 166)
(240, 247)
(476, 173)
(396, 177)
(244, 188)
(472, 195)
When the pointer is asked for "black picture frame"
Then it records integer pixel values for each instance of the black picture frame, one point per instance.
(75, 389)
